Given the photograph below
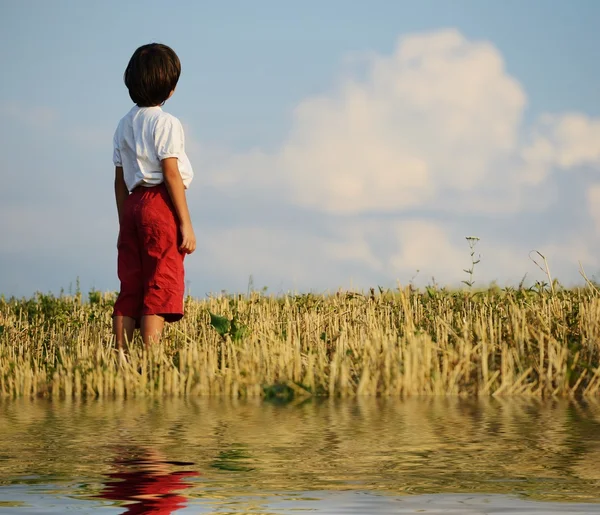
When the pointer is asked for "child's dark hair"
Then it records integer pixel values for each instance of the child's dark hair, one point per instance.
(151, 75)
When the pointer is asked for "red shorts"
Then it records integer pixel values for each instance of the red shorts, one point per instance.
(150, 265)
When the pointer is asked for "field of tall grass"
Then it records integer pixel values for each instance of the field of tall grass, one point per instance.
(501, 342)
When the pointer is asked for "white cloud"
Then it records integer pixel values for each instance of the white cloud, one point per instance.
(424, 249)
(361, 254)
(439, 115)
(566, 141)
(284, 259)
(436, 125)
(426, 246)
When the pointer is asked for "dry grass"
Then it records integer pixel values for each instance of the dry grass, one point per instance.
(400, 343)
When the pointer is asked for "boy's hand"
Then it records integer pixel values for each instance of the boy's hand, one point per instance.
(188, 239)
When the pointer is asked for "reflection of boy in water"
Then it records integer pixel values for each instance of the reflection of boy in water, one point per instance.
(147, 483)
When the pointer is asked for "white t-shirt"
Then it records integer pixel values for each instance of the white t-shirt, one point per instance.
(144, 137)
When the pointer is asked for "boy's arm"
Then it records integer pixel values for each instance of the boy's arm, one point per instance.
(121, 191)
(176, 190)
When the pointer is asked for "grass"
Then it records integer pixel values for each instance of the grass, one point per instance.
(511, 342)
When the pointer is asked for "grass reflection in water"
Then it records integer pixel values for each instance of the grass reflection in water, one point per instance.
(230, 449)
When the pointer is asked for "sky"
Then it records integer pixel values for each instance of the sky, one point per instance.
(335, 144)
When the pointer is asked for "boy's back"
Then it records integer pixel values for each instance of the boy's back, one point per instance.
(144, 137)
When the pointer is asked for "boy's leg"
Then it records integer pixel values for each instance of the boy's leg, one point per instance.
(152, 327)
(162, 264)
(128, 305)
(123, 328)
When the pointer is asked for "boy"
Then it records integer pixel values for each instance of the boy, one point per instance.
(152, 172)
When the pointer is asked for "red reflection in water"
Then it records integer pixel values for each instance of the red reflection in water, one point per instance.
(148, 484)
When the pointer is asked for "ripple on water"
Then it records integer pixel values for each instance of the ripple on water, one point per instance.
(362, 456)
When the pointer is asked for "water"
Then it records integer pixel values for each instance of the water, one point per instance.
(365, 456)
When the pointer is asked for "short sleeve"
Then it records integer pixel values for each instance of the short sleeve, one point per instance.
(116, 151)
(168, 138)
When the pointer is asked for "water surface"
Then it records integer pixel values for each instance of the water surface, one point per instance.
(361, 456)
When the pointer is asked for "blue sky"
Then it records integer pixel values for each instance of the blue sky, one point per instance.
(312, 172)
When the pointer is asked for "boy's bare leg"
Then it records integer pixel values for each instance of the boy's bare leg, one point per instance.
(152, 327)
(123, 328)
